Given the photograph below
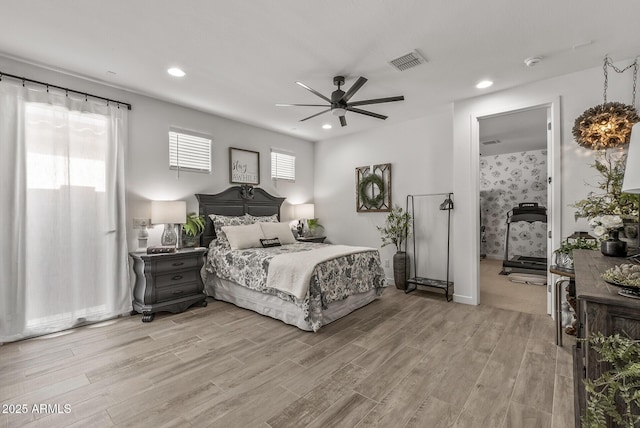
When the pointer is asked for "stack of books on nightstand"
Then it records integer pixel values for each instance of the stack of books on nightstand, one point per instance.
(161, 249)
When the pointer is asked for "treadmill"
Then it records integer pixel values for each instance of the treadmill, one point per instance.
(529, 212)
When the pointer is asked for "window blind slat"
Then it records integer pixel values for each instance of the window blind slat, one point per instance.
(190, 152)
(283, 166)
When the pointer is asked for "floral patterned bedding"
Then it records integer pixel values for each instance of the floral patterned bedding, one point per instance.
(331, 281)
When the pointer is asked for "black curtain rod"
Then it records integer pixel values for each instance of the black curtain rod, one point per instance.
(67, 90)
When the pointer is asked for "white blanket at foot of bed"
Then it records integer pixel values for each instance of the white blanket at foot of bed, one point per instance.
(291, 273)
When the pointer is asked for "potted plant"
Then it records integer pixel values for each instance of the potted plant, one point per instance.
(615, 394)
(396, 228)
(611, 166)
(192, 229)
(564, 254)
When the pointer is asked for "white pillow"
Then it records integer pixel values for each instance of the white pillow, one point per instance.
(246, 236)
(278, 230)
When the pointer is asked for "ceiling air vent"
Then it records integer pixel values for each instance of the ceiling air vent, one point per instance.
(405, 62)
(486, 143)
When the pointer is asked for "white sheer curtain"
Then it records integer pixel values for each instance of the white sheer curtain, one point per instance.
(63, 258)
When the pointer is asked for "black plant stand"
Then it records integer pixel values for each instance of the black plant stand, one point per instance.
(443, 284)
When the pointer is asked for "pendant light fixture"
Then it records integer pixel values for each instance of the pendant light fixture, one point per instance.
(608, 125)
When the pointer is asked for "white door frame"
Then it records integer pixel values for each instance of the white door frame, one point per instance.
(553, 171)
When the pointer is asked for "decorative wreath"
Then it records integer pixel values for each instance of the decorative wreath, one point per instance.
(373, 180)
(605, 126)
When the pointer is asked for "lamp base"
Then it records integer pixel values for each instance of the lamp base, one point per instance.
(169, 236)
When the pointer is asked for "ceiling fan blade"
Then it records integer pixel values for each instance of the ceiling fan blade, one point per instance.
(343, 121)
(354, 88)
(302, 105)
(314, 91)
(377, 101)
(314, 115)
(367, 113)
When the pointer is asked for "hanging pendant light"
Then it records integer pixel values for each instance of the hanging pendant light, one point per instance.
(608, 125)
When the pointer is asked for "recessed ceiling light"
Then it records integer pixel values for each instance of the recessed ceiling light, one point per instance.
(484, 84)
(174, 71)
(327, 126)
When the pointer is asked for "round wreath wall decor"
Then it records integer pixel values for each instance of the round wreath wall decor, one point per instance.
(371, 200)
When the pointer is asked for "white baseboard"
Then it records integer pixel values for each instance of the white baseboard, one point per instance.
(466, 300)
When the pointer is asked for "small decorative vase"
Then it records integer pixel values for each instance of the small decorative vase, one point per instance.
(564, 260)
(400, 270)
(630, 233)
(190, 241)
(314, 229)
(613, 247)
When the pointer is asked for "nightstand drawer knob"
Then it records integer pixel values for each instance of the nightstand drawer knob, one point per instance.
(176, 277)
(178, 263)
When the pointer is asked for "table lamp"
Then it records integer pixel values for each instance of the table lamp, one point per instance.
(168, 213)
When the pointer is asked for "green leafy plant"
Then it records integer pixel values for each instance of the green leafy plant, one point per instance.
(611, 167)
(397, 227)
(194, 225)
(616, 393)
(579, 244)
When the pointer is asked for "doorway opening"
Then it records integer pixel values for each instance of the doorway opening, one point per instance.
(514, 198)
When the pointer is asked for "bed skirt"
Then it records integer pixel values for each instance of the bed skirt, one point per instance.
(274, 307)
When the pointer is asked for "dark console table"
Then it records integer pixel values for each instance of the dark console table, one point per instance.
(600, 309)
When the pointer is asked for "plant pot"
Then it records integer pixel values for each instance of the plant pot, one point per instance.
(190, 241)
(564, 260)
(613, 247)
(400, 270)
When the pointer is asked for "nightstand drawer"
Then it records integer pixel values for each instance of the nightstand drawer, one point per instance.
(171, 293)
(172, 264)
(176, 278)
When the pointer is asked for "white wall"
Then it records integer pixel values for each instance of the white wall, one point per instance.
(148, 175)
(577, 92)
(421, 158)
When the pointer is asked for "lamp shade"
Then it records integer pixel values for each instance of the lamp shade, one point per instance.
(631, 183)
(168, 212)
(304, 211)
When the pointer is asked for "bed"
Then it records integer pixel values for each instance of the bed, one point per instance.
(272, 281)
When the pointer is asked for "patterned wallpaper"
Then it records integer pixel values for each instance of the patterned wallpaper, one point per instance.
(505, 181)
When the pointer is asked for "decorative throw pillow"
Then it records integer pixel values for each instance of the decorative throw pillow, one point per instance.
(219, 221)
(244, 236)
(270, 242)
(264, 219)
(280, 231)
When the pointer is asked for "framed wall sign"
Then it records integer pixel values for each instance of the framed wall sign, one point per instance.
(244, 166)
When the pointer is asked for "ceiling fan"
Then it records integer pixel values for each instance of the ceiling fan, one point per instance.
(339, 102)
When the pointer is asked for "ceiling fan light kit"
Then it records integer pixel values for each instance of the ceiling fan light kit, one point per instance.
(339, 103)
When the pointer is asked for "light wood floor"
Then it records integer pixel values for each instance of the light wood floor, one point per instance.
(499, 292)
(402, 361)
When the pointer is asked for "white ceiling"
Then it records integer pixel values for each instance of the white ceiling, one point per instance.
(243, 57)
(516, 132)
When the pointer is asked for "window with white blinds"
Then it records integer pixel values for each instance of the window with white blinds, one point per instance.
(189, 151)
(283, 166)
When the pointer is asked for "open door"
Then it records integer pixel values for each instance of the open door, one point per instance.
(550, 110)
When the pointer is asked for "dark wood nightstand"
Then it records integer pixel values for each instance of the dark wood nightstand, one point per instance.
(311, 238)
(167, 282)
